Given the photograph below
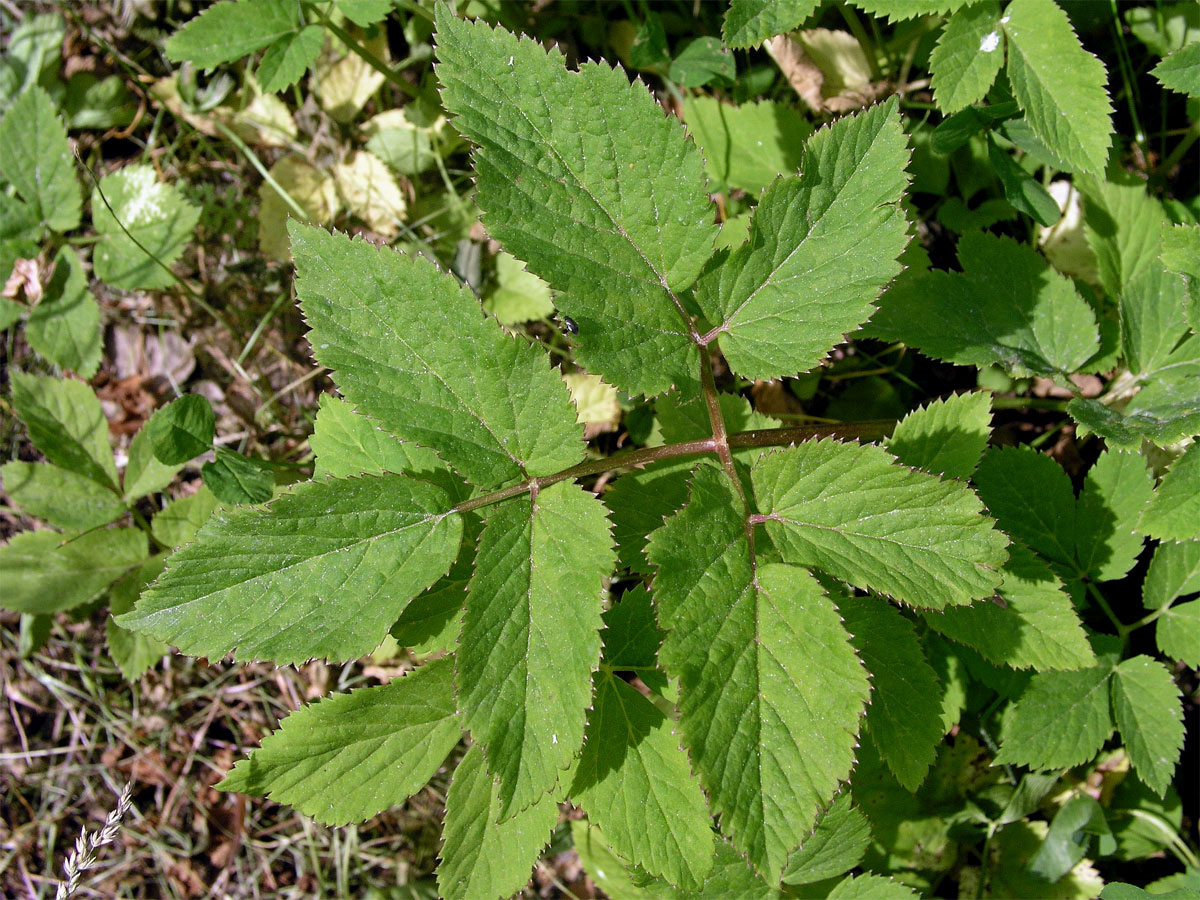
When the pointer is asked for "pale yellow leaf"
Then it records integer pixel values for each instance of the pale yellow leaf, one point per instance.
(371, 193)
(344, 85)
(312, 190)
(595, 401)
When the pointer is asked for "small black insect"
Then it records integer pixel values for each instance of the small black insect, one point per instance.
(570, 325)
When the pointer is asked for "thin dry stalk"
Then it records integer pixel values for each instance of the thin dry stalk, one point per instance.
(83, 856)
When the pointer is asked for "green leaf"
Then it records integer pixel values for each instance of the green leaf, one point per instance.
(836, 845)
(66, 423)
(322, 572)
(946, 437)
(1059, 85)
(365, 13)
(746, 146)
(1181, 71)
(65, 326)
(1122, 223)
(968, 57)
(1067, 842)
(235, 479)
(1174, 512)
(1031, 498)
(635, 781)
(431, 622)
(35, 158)
(182, 430)
(483, 858)
(1174, 572)
(347, 443)
(1012, 850)
(46, 572)
(631, 633)
(59, 496)
(347, 757)
(133, 653)
(640, 501)
(1061, 720)
(1152, 320)
(230, 30)
(871, 887)
(1181, 255)
(616, 219)
(770, 689)
(1178, 633)
(143, 473)
(904, 716)
(288, 58)
(1032, 625)
(888, 528)
(899, 10)
(1146, 704)
(1021, 189)
(1007, 307)
(730, 877)
(702, 60)
(822, 245)
(750, 22)
(156, 217)
(518, 295)
(530, 637)
(489, 404)
(1114, 492)
(180, 520)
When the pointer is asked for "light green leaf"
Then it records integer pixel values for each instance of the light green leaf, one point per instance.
(968, 57)
(1122, 223)
(1032, 625)
(1146, 703)
(606, 869)
(1031, 498)
(1007, 306)
(770, 689)
(235, 479)
(899, 10)
(489, 404)
(182, 430)
(66, 423)
(1178, 633)
(1012, 849)
(631, 633)
(616, 219)
(1174, 572)
(1174, 512)
(1181, 71)
(35, 158)
(406, 149)
(822, 245)
(746, 146)
(1069, 112)
(483, 858)
(1061, 720)
(59, 496)
(143, 473)
(730, 877)
(635, 781)
(156, 216)
(836, 845)
(1021, 189)
(350, 756)
(133, 653)
(1116, 488)
(348, 443)
(530, 637)
(180, 520)
(288, 57)
(1070, 835)
(1152, 320)
(230, 30)
(364, 13)
(894, 530)
(518, 295)
(701, 60)
(65, 326)
(322, 572)
(945, 437)
(431, 622)
(871, 887)
(1181, 255)
(750, 22)
(46, 572)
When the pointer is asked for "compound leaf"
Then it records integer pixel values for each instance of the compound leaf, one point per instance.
(483, 858)
(230, 30)
(435, 371)
(321, 572)
(946, 437)
(770, 688)
(635, 782)
(1146, 703)
(582, 176)
(350, 756)
(1058, 84)
(46, 572)
(822, 246)
(1174, 512)
(750, 22)
(35, 158)
(853, 512)
(66, 423)
(531, 637)
(968, 57)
